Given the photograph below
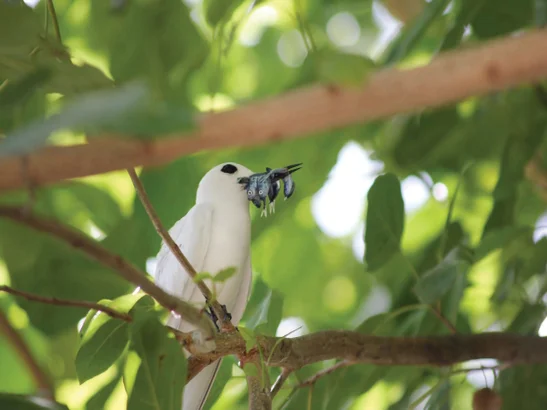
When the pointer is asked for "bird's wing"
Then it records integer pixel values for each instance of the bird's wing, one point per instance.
(192, 234)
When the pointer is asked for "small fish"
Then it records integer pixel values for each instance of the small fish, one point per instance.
(267, 185)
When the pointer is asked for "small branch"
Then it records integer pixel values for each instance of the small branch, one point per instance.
(67, 302)
(51, 10)
(258, 385)
(449, 77)
(313, 379)
(91, 248)
(41, 380)
(281, 379)
(184, 262)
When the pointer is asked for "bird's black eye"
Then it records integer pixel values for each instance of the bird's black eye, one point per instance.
(229, 169)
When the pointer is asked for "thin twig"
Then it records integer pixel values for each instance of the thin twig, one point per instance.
(41, 380)
(119, 265)
(285, 373)
(185, 263)
(451, 328)
(67, 302)
(51, 10)
(325, 372)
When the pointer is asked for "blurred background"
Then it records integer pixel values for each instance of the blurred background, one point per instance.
(214, 56)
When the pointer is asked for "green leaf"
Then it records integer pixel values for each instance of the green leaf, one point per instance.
(518, 150)
(415, 31)
(541, 13)
(264, 310)
(224, 274)
(249, 336)
(20, 89)
(90, 109)
(438, 281)
(385, 221)
(202, 276)
(160, 367)
(21, 402)
(501, 238)
(502, 16)
(424, 135)
(336, 67)
(105, 338)
(523, 387)
(217, 11)
(165, 46)
(468, 9)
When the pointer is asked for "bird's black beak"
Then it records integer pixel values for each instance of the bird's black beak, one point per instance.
(280, 173)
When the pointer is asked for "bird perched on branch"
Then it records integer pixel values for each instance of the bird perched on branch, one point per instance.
(214, 235)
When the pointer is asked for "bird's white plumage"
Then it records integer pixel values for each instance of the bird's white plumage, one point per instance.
(213, 235)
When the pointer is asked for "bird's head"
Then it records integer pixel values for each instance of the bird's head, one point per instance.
(222, 185)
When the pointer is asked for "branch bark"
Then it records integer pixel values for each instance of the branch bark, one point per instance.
(67, 302)
(184, 262)
(440, 351)
(119, 265)
(41, 380)
(450, 77)
(258, 385)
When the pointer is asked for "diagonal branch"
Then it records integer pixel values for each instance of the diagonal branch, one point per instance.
(450, 77)
(119, 265)
(185, 263)
(41, 380)
(67, 302)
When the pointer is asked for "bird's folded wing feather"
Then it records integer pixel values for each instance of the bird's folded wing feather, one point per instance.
(192, 235)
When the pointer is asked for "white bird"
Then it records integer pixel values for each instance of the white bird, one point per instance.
(214, 235)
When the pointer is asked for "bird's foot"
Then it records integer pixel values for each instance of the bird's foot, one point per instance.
(211, 313)
(272, 207)
(264, 213)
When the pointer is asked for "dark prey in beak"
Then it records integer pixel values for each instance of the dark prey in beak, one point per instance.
(268, 184)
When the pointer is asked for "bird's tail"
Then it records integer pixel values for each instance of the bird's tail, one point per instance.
(197, 390)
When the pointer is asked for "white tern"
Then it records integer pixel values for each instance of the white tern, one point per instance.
(214, 235)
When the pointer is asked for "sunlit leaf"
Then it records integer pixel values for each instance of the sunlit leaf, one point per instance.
(89, 109)
(106, 338)
(161, 371)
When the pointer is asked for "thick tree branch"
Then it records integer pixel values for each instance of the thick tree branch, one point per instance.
(450, 77)
(38, 375)
(294, 353)
(67, 302)
(120, 266)
(185, 263)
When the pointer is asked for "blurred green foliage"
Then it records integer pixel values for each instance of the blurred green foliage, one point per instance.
(470, 248)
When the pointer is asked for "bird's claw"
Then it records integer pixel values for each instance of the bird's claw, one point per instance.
(272, 207)
(264, 213)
